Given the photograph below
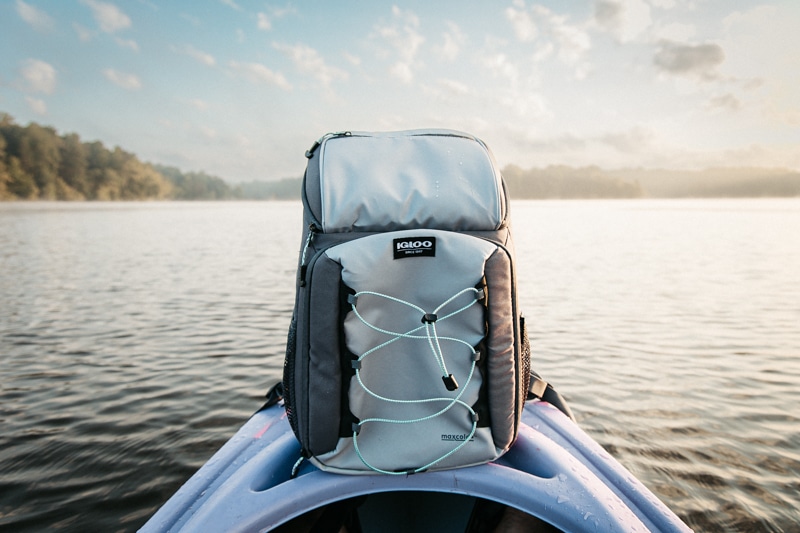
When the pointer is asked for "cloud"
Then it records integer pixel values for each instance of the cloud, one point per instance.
(453, 40)
(128, 43)
(263, 22)
(352, 59)
(109, 17)
(200, 56)
(500, 66)
(698, 60)
(232, 4)
(402, 71)
(199, 104)
(39, 76)
(37, 106)
(38, 19)
(453, 87)
(725, 102)
(554, 35)
(258, 73)
(84, 35)
(674, 31)
(125, 80)
(404, 37)
(521, 22)
(308, 61)
(624, 19)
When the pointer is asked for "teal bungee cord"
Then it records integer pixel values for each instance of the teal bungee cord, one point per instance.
(431, 335)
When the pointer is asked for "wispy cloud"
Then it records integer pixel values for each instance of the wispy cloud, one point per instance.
(308, 61)
(447, 89)
(452, 41)
(403, 35)
(37, 18)
(39, 76)
(37, 105)
(128, 43)
(197, 103)
(258, 73)
(552, 34)
(571, 40)
(84, 35)
(232, 4)
(108, 16)
(127, 81)
(624, 19)
(264, 23)
(522, 23)
(726, 102)
(198, 55)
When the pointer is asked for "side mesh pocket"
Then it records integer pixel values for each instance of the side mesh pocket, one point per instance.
(289, 376)
(525, 357)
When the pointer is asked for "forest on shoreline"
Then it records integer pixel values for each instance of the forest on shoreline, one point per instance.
(36, 163)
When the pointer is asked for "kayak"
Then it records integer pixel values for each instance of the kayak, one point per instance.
(554, 478)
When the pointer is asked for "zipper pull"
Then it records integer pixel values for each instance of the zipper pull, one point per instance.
(318, 142)
(310, 151)
(312, 230)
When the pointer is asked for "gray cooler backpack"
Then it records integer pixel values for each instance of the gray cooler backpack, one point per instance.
(406, 349)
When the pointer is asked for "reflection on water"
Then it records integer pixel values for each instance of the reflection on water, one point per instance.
(136, 338)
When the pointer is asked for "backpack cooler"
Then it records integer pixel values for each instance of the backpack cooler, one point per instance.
(406, 349)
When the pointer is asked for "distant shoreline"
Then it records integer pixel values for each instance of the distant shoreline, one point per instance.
(38, 164)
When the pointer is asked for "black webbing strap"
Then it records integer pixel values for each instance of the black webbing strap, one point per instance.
(542, 390)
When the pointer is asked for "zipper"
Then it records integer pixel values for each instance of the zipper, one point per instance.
(312, 231)
(318, 142)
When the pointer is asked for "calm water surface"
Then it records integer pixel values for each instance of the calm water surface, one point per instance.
(136, 338)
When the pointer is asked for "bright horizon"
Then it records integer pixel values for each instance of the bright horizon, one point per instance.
(240, 89)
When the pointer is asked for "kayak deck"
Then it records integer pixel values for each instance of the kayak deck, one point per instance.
(555, 474)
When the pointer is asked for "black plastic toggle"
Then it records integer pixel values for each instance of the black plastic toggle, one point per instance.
(450, 382)
(429, 318)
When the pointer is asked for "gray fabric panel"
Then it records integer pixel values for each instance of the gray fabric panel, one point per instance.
(501, 345)
(426, 445)
(324, 373)
(406, 180)
(407, 369)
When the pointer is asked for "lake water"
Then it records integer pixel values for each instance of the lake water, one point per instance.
(136, 338)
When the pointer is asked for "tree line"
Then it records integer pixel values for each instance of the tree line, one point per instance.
(36, 163)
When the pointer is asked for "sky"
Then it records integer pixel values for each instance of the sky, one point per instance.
(241, 88)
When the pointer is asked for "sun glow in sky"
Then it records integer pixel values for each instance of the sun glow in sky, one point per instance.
(240, 88)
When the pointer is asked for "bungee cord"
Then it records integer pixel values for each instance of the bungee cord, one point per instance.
(434, 341)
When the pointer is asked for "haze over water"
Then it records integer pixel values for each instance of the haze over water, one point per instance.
(136, 338)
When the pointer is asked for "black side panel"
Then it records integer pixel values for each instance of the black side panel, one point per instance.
(324, 378)
(311, 189)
